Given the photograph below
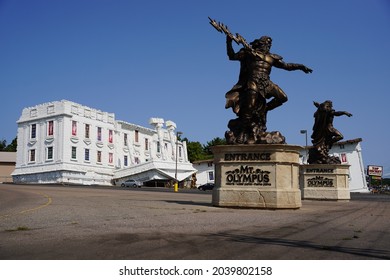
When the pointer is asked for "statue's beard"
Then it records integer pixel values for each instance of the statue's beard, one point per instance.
(264, 49)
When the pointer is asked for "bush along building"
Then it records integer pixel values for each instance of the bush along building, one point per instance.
(68, 143)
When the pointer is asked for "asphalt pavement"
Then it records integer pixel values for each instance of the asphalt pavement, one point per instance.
(78, 222)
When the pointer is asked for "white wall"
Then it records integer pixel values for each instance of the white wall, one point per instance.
(203, 172)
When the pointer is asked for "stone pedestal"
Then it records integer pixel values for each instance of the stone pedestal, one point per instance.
(325, 182)
(257, 176)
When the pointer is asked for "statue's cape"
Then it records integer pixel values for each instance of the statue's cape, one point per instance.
(233, 95)
(321, 127)
(233, 98)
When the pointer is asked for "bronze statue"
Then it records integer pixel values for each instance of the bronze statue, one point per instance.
(324, 134)
(248, 97)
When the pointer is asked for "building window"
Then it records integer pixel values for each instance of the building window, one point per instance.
(158, 147)
(49, 155)
(136, 136)
(99, 134)
(125, 161)
(33, 113)
(211, 175)
(125, 139)
(75, 109)
(110, 136)
(209, 164)
(33, 131)
(99, 156)
(99, 116)
(87, 113)
(180, 152)
(87, 126)
(344, 158)
(146, 144)
(32, 155)
(74, 152)
(110, 158)
(50, 128)
(74, 128)
(50, 109)
(86, 154)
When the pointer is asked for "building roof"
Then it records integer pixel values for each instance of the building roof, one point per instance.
(8, 157)
(357, 140)
(203, 161)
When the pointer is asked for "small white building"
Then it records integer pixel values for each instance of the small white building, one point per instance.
(349, 152)
(205, 171)
(65, 142)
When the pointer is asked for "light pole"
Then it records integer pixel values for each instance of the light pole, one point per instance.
(176, 186)
(304, 131)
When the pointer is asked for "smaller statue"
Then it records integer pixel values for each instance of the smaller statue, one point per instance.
(324, 134)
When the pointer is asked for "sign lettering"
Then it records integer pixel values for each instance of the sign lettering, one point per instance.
(247, 156)
(320, 181)
(319, 170)
(247, 175)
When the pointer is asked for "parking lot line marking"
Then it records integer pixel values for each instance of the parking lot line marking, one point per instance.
(49, 201)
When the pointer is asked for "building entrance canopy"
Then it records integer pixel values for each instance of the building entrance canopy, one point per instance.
(156, 170)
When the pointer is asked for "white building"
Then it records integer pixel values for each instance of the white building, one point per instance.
(65, 142)
(349, 152)
(205, 171)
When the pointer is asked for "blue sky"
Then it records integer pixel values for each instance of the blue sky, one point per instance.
(142, 59)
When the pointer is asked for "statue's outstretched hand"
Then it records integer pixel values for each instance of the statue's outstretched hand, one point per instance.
(307, 70)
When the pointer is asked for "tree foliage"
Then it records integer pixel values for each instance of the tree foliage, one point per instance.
(215, 142)
(196, 151)
(8, 148)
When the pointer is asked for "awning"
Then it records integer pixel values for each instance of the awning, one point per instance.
(156, 170)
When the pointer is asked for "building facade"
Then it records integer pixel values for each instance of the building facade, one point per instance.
(65, 142)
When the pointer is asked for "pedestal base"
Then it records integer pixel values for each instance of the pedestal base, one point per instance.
(325, 182)
(257, 176)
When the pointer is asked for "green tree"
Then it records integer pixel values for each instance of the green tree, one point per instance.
(195, 151)
(3, 144)
(215, 142)
(12, 147)
(8, 148)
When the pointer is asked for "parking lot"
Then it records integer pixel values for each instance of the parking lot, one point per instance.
(78, 222)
